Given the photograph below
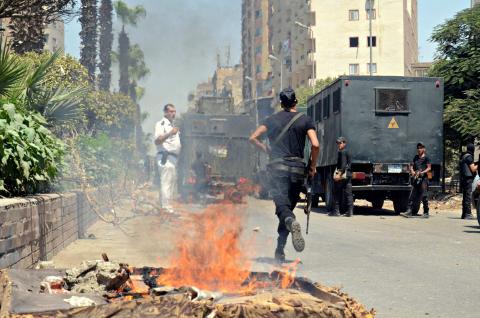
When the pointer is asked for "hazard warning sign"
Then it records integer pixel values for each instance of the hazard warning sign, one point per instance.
(393, 124)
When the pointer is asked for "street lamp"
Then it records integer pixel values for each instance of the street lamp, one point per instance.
(251, 80)
(274, 58)
(303, 26)
(369, 6)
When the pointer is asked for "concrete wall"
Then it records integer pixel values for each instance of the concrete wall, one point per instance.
(36, 228)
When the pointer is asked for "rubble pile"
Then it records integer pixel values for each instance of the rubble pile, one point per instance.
(105, 289)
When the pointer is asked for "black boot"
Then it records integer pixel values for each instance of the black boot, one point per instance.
(297, 239)
(279, 251)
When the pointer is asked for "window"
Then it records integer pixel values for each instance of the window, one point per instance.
(258, 49)
(353, 69)
(391, 100)
(326, 107)
(353, 15)
(318, 110)
(373, 12)
(354, 41)
(258, 14)
(373, 41)
(336, 101)
(258, 31)
(259, 69)
(374, 67)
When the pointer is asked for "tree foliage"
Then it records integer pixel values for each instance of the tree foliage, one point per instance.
(29, 153)
(51, 10)
(28, 33)
(105, 44)
(88, 36)
(458, 62)
(303, 93)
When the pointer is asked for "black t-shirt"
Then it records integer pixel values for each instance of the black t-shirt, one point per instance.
(344, 161)
(467, 160)
(293, 142)
(420, 163)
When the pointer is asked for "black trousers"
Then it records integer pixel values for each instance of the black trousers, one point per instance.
(467, 196)
(343, 195)
(419, 194)
(286, 188)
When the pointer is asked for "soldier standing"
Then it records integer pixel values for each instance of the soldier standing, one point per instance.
(468, 170)
(419, 170)
(287, 131)
(343, 180)
(167, 140)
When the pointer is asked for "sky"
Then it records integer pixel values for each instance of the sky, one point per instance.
(181, 40)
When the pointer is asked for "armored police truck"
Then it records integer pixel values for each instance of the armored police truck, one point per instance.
(383, 118)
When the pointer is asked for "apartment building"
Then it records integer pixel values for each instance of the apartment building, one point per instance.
(292, 45)
(475, 2)
(255, 49)
(316, 39)
(342, 30)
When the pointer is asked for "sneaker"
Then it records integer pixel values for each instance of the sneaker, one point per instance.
(469, 217)
(426, 215)
(407, 214)
(297, 239)
(334, 213)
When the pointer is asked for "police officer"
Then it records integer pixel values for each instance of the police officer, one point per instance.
(287, 131)
(419, 170)
(167, 140)
(343, 180)
(468, 170)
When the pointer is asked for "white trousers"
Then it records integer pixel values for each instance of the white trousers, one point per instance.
(168, 183)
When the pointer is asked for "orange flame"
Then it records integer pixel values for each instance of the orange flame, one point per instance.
(208, 254)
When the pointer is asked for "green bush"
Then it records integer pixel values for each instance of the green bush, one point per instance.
(30, 154)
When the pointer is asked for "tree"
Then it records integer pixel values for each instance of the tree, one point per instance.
(50, 10)
(458, 52)
(128, 16)
(28, 33)
(106, 42)
(458, 62)
(303, 93)
(88, 35)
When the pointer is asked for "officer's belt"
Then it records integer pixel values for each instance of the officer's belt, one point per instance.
(284, 167)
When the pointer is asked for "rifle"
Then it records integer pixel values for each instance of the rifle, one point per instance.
(308, 206)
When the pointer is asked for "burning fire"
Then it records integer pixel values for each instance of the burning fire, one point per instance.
(209, 254)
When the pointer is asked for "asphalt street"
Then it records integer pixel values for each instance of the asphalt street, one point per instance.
(401, 267)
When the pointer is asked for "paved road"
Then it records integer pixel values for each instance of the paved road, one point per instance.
(401, 267)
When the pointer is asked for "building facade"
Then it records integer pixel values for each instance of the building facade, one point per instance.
(316, 39)
(55, 36)
(475, 2)
(343, 32)
(255, 49)
(227, 82)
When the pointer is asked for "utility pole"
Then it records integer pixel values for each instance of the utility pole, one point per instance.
(370, 40)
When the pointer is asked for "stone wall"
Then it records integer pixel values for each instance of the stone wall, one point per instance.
(36, 228)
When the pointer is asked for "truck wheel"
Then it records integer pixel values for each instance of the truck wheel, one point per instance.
(400, 202)
(329, 199)
(315, 200)
(377, 204)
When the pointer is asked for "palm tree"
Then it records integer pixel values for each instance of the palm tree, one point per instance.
(24, 85)
(128, 16)
(106, 41)
(88, 35)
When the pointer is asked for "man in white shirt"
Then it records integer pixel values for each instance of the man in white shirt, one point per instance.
(167, 140)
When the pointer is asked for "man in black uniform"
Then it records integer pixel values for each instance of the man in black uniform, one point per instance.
(287, 131)
(468, 170)
(343, 180)
(419, 170)
(200, 169)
